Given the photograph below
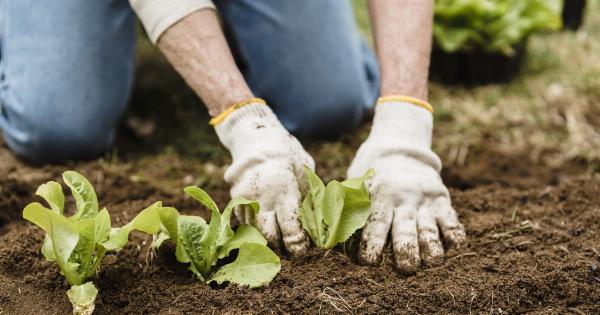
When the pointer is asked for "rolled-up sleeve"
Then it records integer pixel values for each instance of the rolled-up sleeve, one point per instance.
(158, 15)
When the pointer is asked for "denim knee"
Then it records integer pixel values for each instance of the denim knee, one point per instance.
(66, 69)
(40, 137)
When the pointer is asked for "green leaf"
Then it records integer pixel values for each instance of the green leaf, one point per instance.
(359, 182)
(168, 218)
(308, 220)
(332, 206)
(62, 233)
(226, 233)
(209, 243)
(82, 298)
(102, 226)
(147, 221)
(357, 207)
(256, 265)
(202, 196)
(356, 211)
(339, 210)
(190, 246)
(180, 251)
(48, 249)
(316, 186)
(244, 234)
(207, 248)
(83, 254)
(53, 194)
(314, 213)
(84, 194)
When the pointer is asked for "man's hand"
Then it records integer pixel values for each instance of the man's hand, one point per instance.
(407, 193)
(267, 166)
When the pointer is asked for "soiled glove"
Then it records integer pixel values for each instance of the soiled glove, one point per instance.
(408, 195)
(267, 166)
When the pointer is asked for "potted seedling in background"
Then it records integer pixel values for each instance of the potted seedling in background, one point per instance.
(484, 41)
(202, 245)
(79, 242)
(331, 214)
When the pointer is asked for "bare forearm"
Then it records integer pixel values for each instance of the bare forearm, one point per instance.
(197, 48)
(402, 31)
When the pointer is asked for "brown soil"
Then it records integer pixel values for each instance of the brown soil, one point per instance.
(533, 247)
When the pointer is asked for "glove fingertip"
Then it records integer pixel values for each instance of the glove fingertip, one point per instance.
(407, 258)
(454, 237)
(432, 252)
(370, 252)
(298, 249)
(297, 244)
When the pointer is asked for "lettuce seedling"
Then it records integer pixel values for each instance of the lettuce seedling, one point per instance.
(202, 245)
(79, 242)
(331, 214)
(492, 26)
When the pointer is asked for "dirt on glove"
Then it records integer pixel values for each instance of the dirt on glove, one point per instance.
(533, 247)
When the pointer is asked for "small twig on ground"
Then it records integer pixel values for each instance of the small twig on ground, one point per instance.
(373, 281)
(524, 226)
(546, 191)
(463, 255)
(452, 295)
(473, 296)
(337, 301)
(176, 299)
(595, 251)
(524, 243)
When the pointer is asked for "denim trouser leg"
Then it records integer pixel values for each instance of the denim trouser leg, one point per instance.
(66, 70)
(306, 58)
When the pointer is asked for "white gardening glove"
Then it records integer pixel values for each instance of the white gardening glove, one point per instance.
(407, 192)
(267, 166)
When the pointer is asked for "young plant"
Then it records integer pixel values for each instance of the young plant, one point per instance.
(492, 26)
(331, 214)
(79, 242)
(202, 245)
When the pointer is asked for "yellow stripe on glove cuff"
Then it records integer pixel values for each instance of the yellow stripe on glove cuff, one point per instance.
(219, 119)
(406, 99)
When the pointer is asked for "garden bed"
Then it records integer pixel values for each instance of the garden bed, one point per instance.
(533, 246)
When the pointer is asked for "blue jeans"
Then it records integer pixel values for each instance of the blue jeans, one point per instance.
(66, 69)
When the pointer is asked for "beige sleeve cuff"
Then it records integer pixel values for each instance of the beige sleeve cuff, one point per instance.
(158, 15)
